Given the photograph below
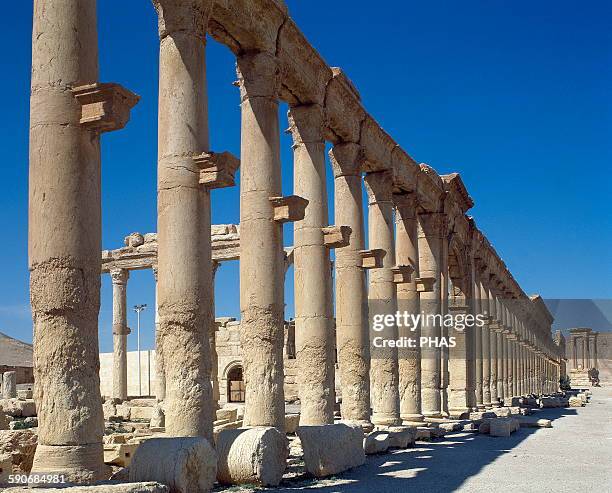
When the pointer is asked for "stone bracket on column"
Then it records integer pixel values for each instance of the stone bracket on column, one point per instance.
(372, 259)
(402, 274)
(336, 236)
(425, 284)
(289, 209)
(121, 330)
(217, 169)
(105, 106)
(494, 325)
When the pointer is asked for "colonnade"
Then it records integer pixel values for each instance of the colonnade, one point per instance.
(423, 252)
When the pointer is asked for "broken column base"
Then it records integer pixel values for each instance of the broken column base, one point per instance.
(252, 456)
(185, 464)
(331, 449)
(77, 464)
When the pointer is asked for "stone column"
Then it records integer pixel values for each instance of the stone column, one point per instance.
(515, 368)
(261, 242)
(486, 344)
(432, 233)
(458, 402)
(160, 377)
(120, 332)
(185, 298)
(477, 337)
(493, 328)
(65, 242)
(500, 365)
(382, 299)
(314, 326)
(214, 356)
(352, 329)
(407, 254)
(594, 353)
(574, 343)
(9, 385)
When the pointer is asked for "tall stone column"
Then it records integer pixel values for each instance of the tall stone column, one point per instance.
(214, 355)
(65, 237)
(486, 343)
(120, 332)
(9, 385)
(432, 234)
(261, 242)
(314, 327)
(160, 377)
(500, 365)
(407, 254)
(515, 368)
(185, 297)
(477, 307)
(382, 296)
(493, 329)
(352, 328)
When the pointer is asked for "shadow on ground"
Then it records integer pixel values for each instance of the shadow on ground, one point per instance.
(437, 466)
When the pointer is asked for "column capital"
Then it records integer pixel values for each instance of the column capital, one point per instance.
(379, 186)
(119, 276)
(406, 206)
(259, 75)
(306, 124)
(345, 159)
(186, 16)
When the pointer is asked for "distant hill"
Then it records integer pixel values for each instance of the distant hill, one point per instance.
(14, 352)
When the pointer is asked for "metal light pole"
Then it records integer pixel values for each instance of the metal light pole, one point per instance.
(138, 309)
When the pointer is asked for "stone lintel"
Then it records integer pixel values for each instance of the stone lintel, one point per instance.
(402, 274)
(336, 236)
(425, 284)
(372, 259)
(105, 106)
(289, 209)
(217, 169)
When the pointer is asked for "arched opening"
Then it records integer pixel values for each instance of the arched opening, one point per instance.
(235, 385)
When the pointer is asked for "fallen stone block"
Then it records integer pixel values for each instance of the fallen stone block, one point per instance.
(437, 432)
(331, 449)
(142, 402)
(18, 408)
(401, 436)
(20, 445)
(229, 414)
(158, 418)
(108, 487)
(575, 402)
(534, 423)
(376, 442)
(140, 412)
(292, 421)
(423, 433)
(502, 412)
(6, 468)
(185, 464)
(450, 426)
(123, 411)
(482, 415)
(116, 438)
(252, 456)
(549, 402)
(502, 427)
(120, 454)
(25, 394)
(485, 426)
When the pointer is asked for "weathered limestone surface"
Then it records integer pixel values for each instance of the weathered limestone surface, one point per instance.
(65, 241)
(333, 448)
(184, 252)
(262, 257)
(252, 456)
(9, 385)
(21, 445)
(382, 294)
(314, 335)
(185, 465)
(352, 331)
(407, 255)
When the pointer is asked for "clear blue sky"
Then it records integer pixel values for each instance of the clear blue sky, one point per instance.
(514, 95)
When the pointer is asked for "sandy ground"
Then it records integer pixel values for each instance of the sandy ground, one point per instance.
(574, 455)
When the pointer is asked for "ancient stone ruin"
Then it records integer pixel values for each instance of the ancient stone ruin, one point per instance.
(424, 253)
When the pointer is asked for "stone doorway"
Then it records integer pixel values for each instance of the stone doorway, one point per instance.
(235, 385)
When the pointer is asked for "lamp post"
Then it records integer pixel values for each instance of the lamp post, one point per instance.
(138, 309)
